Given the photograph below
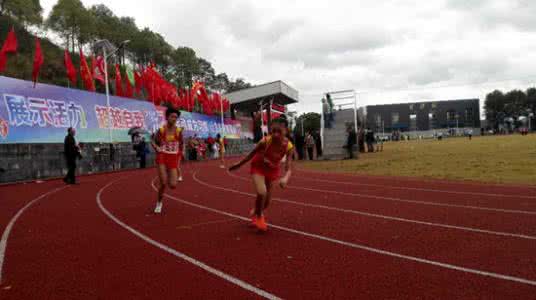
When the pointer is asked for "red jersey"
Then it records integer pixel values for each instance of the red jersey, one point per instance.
(170, 143)
(269, 156)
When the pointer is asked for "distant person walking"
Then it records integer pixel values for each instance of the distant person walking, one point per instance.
(310, 144)
(72, 153)
(351, 140)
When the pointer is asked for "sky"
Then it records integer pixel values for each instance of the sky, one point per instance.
(388, 51)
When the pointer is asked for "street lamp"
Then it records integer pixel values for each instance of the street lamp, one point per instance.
(106, 46)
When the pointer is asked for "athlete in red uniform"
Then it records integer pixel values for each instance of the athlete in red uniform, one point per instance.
(167, 142)
(265, 161)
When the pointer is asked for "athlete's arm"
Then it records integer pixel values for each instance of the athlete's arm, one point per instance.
(248, 157)
(288, 169)
(155, 141)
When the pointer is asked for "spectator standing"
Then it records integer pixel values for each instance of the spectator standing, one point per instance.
(300, 145)
(318, 144)
(361, 140)
(72, 153)
(142, 150)
(310, 144)
(370, 140)
(351, 140)
(379, 144)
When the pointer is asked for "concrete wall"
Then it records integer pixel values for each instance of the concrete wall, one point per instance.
(20, 162)
(33, 161)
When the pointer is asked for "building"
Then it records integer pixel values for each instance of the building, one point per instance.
(423, 116)
(266, 97)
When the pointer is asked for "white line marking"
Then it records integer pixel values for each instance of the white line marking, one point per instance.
(417, 179)
(362, 213)
(180, 255)
(366, 248)
(9, 227)
(205, 224)
(511, 211)
(419, 189)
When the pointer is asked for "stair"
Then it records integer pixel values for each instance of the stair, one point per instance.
(335, 137)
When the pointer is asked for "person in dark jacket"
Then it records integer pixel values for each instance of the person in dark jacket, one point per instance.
(142, 153)
(299, 145)
(318, 144)
(71, 152)
(369, 136)
(350, 142)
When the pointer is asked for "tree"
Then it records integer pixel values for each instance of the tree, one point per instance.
(494, 107)
(236, 85)
(206, 72)
(221, 81)
(26, 11)
(71, 20)
(311, 122)
(531, 100)
(515, 103)
(184, 66)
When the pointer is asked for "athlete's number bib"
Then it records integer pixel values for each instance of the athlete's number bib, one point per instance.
(171, 147)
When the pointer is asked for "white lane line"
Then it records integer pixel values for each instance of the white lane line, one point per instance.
(367, 248)
(419, 189)
(181, 255)
(362, 213)
(9, 227)
(483, 208)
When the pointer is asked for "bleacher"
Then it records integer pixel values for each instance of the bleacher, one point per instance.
(335, 137)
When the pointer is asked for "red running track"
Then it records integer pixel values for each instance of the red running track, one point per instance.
(331, 236)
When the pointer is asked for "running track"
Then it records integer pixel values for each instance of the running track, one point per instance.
(332, 236)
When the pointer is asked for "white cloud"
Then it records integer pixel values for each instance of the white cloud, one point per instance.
(390, 50)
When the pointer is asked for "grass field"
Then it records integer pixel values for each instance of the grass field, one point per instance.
(498, 159)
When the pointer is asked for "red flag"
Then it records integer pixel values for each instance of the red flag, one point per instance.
(38, 61)
(10, 46)
(118, 82)
(139, 82)
(85, 73)
(71, 70)
(97, 67)
(129, 91)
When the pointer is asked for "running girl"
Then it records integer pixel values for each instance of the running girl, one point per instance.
(266, 158)
(167, 143)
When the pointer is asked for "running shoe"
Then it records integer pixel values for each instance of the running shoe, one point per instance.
(261, 224)
(158, 208)
(180, 178)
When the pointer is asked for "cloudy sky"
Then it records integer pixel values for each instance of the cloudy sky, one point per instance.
(387, 50)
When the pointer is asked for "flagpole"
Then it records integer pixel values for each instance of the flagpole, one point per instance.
(107, 93)
(222, 120)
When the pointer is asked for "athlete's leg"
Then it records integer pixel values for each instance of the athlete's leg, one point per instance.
(269, 188)
(260, 189)
(172, 175)
(163, 178)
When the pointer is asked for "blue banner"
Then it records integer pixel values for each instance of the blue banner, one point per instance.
(43, 114)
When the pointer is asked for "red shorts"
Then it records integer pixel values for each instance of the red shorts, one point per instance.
(171, 161)
(270, 174)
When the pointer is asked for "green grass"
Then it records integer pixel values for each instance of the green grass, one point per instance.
(497, 159)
